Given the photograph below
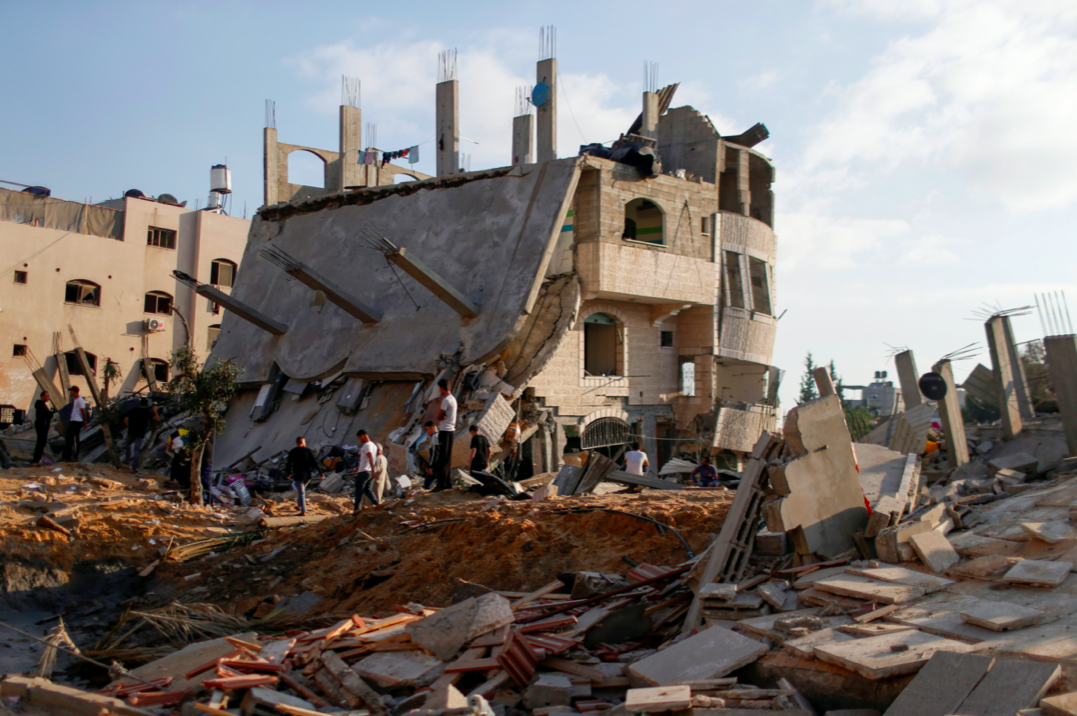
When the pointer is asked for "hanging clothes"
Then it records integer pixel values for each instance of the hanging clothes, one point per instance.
(413, 155)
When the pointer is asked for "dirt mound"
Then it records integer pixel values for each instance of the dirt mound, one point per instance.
(417, 550)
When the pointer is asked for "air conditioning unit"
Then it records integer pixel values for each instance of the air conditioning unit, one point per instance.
(154, 325)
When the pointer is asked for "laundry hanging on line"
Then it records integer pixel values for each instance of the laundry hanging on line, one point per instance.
(371, 156)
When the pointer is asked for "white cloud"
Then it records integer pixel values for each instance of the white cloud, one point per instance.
(822, 243)
(987, 92)
(760, 81)
(928, 252)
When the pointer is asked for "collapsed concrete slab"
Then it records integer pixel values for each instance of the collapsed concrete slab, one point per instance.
(445, 632)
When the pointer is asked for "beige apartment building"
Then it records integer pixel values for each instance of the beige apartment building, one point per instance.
(105, 270)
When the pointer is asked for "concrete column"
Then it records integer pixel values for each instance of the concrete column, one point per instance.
(909, 379)
(523, 131)
(824, 382)
(271, 165)
(448, 123)
(649, 128)
(1062, 367)
(953, 425)
(547, 114)
(1024, 396)
(650, 439)
(1004, 378)
(351, 142)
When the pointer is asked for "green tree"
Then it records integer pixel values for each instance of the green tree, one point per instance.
(839, 384)
(1034, 361)
(807, 382)
(204, 392)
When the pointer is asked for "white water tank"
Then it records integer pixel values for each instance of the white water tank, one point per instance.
(220, 179)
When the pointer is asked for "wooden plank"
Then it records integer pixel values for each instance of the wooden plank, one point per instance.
(942, 684)
(849, 585)
(1010, 686)
(573, 667)
(538, 594)
(658, 699)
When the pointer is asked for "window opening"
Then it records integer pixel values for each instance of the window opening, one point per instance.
(643, 221)
(20, 350)
(688, 377)
(667, 339)
(82, 293)
(158, 302)
(703, 228)
(162, 238)
(733, 279)
(602, 345)
(73, 367)
(604, 432)
(160, 370)
(20, 278)
(214, 331)
(222, 273)
(760, 286)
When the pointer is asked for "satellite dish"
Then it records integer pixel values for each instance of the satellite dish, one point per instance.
(167, 199)
(933, 386)
(540, 95)
(133, 193)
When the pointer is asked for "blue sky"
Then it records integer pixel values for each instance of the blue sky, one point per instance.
(925, 153)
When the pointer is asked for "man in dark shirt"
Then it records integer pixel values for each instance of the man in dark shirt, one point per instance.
(42, 417)
(301, 466)
(705, 475)
(481, 452)
(138, 422)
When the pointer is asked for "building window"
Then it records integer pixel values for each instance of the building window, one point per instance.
(223, 273)
(214, 308)
(214, 331)
(605, 432)
(73, 367)
(161, 238)
(733, 280)
(158, 302)
(666, 340)
(760, 286)
(159, 369)
(20, 350)
(603, 345)
(643, 221)
(82, 293)
(688, 377)
(20, 278)
(703, 228)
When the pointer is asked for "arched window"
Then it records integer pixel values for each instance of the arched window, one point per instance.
(214, 331)
(306, 168)
(605, 432)
(81, 292)
(157, 368)
(223, 273)
(158, 302)
(73, 367)
(603, 345)
(643, 221)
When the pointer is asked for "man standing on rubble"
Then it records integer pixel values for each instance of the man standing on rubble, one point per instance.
(481, 452)
(431, 429)
(368, 462)
(42, 417)
(446, 434)
(79, 413)
(301, 466)
(636, 461)
(381, 474)
(138, 422)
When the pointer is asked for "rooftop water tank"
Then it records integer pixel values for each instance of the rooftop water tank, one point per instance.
(220, 179)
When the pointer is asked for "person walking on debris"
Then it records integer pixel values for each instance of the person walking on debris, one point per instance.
(705, 475)
(301, 466)
(446, 433)
(381, 475)
(180, 470)
(431, 429)
(138, 422)
(42, 417)
(481, 452)
(79, 413)
(368, 461)
(636, 461)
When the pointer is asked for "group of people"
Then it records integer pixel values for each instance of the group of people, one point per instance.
(372, 475)
(138, 421)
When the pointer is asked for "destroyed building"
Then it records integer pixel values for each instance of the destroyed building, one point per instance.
(102, 273)
(592, 301)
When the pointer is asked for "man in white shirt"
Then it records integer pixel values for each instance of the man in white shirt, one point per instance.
(368, 463)
(79, 414)
(636, 461)
(446, 435)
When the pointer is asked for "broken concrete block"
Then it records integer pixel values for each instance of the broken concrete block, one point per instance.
(771, 544)
(1038, 573)
(773, 593)
(1022, 462)
(1000, 616)
(822, 503)
(658, 699)
(935, 551)
(590, 583)
(548, 690)
(1061, 705)
(332, 483)
(1052, 532)
(711, 654)
(1008, 477)
(718, 591)
(445, 632)
(545, 492)
(892, 543)
(445, 696)
(396, 669)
